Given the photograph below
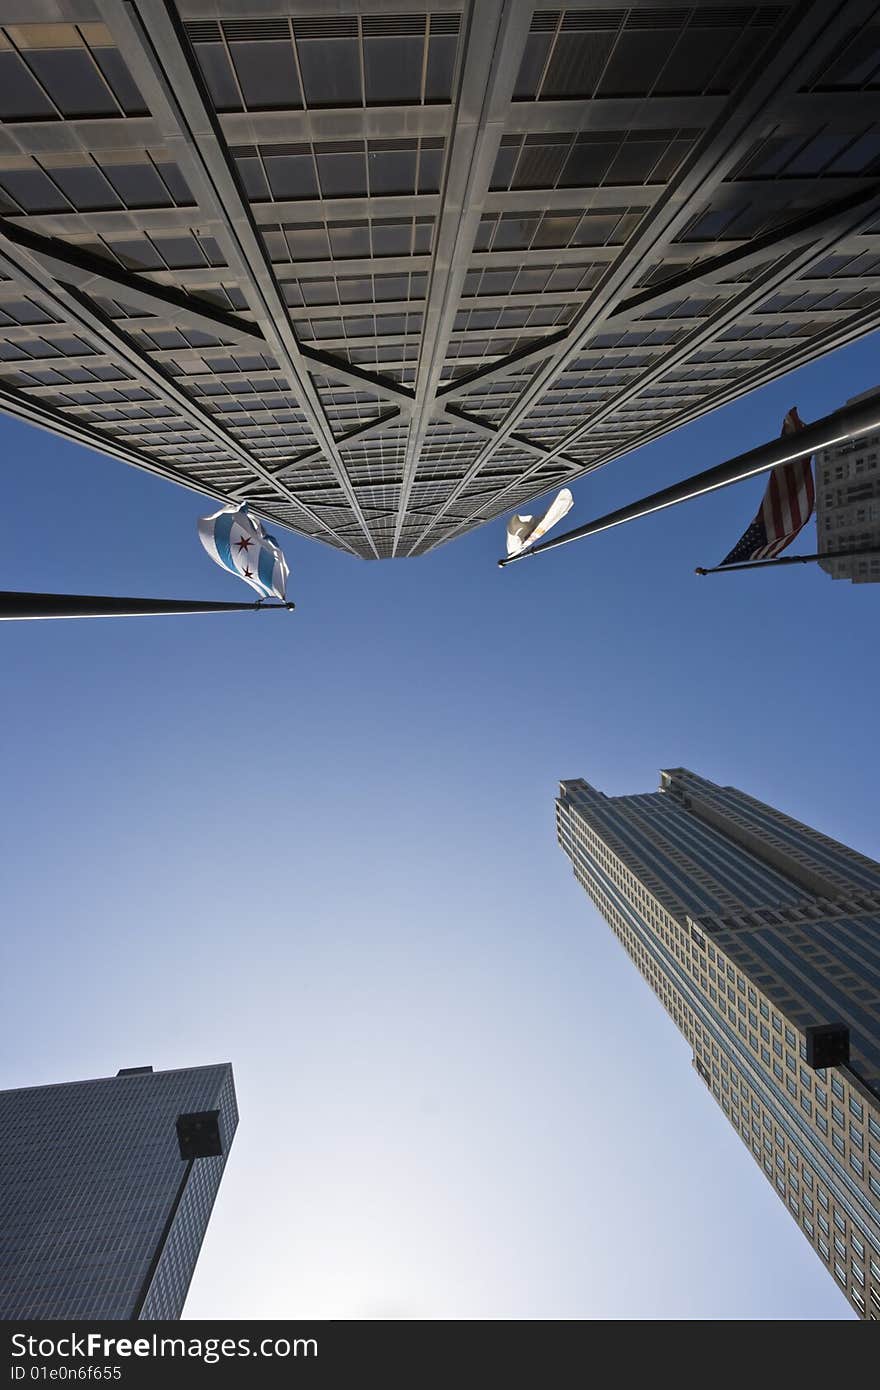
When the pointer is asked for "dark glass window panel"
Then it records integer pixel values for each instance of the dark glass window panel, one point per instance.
(505, 163)
(357, 291)
(392, 239)
(308, 243)
(393, 70)
(670, 159)
(531, 67)
(73, 81)
(484, 233)
(598, 229)
(430, 170)
(319, 292)
(423, 237)
(176, 184)
(138, 185)
(441, 67)
(737, 59)
(292, 294)
(556, 231)
(514, 233)
(24, 311)
(20, 96)
(291, 176)
(577, 64)
(392, 287)
(634, 161)
(331, 71)
(219, 78)
(587, 164)
(267, 73)
(179, 252)
(33, 190)
(418, 286)
(391, 171)
(539, 166)
(343, 175)
(326, 328)
(694, 62)
(213, 254)
(137, 254)
(86, 187)
(128, 94)
(637, 59)
(860, 157)
(819, 152)
(276, 245)
(350, 241)
(253, 178)
(9, 352)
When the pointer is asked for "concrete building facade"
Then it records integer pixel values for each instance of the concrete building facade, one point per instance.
(752, 928)
(848, 503)
(106, 1189)
(386, 271)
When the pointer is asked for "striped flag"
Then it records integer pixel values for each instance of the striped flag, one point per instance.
(785, 510)
(236, 541)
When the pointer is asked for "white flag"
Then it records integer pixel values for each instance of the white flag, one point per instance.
(523, 531)
(236, 541)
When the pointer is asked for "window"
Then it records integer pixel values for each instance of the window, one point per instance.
(855, 1108)
(837, 1142)
(837, 1115)
(837, 1087)
(856, 1136)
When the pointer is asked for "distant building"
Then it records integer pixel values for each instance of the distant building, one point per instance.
(389, 269)
(106, 1188)
(752, 929)
(848, 502)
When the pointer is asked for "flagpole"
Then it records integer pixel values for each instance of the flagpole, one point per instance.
(791, 560)
(860, 418)
(25, 606)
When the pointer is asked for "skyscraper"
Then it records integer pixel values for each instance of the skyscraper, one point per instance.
(848, 503)
(106, 1191)
(391, 270)
(754, 929)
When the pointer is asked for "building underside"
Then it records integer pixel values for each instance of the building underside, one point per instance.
(387, 273)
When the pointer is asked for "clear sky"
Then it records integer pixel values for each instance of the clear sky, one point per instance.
(321, 846)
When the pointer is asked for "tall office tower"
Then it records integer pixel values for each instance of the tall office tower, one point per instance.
(848, 503)
(387, 270)
(106, 1191)
(753, 930)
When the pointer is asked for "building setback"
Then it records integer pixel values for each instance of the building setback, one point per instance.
(386, 271)
(752, 928)
(106, 1188)
(848, 503)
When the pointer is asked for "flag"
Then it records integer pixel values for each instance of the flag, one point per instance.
(523, 531)
(236, 541)
(785, 510)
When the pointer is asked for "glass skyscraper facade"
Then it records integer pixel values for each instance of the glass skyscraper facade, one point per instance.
(753, 928)
(106, 1188)
(386, 270)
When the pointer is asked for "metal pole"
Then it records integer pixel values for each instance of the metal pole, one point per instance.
(791, 560)
(860, 418)
(18, 606)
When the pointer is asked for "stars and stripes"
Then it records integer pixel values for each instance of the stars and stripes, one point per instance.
(785, 510)
(236, 541)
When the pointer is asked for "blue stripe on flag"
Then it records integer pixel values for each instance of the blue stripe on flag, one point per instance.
(266, 568)
(222, 534)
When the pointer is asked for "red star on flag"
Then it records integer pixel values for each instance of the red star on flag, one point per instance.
(244, 543)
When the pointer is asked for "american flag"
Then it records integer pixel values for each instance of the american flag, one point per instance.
(785, 510)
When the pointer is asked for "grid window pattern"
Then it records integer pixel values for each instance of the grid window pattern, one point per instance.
(541, 236)
(101, 1216)
(708, 891)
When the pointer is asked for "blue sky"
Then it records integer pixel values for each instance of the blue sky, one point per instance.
(321, 846)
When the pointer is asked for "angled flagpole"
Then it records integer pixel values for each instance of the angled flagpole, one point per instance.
(25, 606)
(859, 418)
(790, 560)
